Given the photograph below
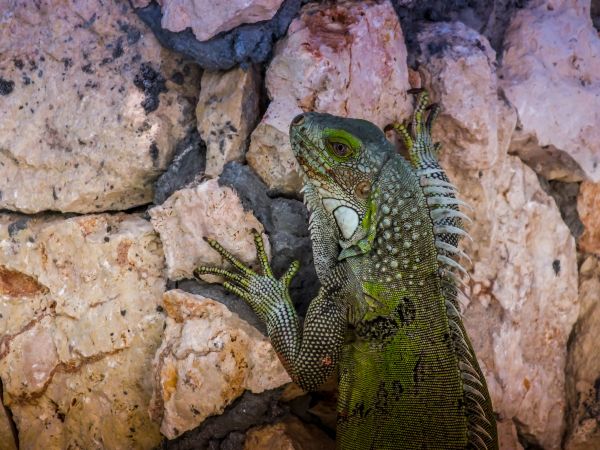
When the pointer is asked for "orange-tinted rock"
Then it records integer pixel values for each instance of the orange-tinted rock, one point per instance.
(208, 357)
(291, 434)
(588, 207)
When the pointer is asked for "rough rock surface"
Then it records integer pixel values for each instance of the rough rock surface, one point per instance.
(79, 325)
(588, 205)
(551, 73)
(227, 111)
(453, 54)
(208, 357)
(207, 18)
(290, 434)
(583, 368)
(225, 431)
(206, 210)
(346, 59)
(92, 116)
(246, 44)
(524, 274)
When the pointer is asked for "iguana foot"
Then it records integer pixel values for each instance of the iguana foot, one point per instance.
(264, 293)
(416, 135)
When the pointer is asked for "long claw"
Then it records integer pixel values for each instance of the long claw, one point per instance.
(204, 270)
(434, 110)
(289, 274)
(420, 107)
(229, 257)
(261, 254)
(237, 291)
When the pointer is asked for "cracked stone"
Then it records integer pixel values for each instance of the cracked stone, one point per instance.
(208, 358)
(79, 326)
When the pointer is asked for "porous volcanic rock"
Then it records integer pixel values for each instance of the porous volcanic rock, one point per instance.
(227, 112)
(208, 357)
(92, 115)
(551, 73)
(204, 211)
(347, 59)
(80, 322)
(207, 18)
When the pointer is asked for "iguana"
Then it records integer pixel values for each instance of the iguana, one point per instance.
(385, 232)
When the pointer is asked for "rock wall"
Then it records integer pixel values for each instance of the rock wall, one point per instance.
(118, 156)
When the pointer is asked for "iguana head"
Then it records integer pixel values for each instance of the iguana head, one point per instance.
(341, 159)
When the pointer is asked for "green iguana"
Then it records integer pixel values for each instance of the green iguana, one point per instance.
(385, 234)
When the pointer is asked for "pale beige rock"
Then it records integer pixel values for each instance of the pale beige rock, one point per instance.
(524, 294)
(583, 367)
(79, 327)
(347, 59)
(290, 434)
(208, 18)
(227, 112)
(74, 135)
(588, 207)
(206, 210)
(454, 55)
(551, 73)
(208, 357)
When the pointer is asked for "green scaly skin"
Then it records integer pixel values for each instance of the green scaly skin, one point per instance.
(385, 233)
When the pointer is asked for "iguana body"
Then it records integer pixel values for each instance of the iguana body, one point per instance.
(385, 235)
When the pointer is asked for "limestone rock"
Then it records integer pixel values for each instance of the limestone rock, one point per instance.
(290, 434)
(347, 59)
(588, 205)
(583, 368)
(207, 18)
(95, 108)
(79, 325)
(453, 54)
(206, 210)
(551, 73)
(227, 111)
(208, 357)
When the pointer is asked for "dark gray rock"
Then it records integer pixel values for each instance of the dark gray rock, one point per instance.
(218, 292)
(247, 411)
(565, 196)
(286, 222)
(246, 44)
(188, 163)
(488, 17)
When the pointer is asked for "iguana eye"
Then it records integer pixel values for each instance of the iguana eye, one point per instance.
(339, 149)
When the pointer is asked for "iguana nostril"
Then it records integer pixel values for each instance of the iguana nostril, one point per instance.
(298, 120)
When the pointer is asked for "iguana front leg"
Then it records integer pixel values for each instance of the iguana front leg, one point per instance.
(311, 353)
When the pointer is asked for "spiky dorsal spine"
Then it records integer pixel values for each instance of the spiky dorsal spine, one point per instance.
(448, 226)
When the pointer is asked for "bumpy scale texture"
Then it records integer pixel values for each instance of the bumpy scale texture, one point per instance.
(385, 235)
